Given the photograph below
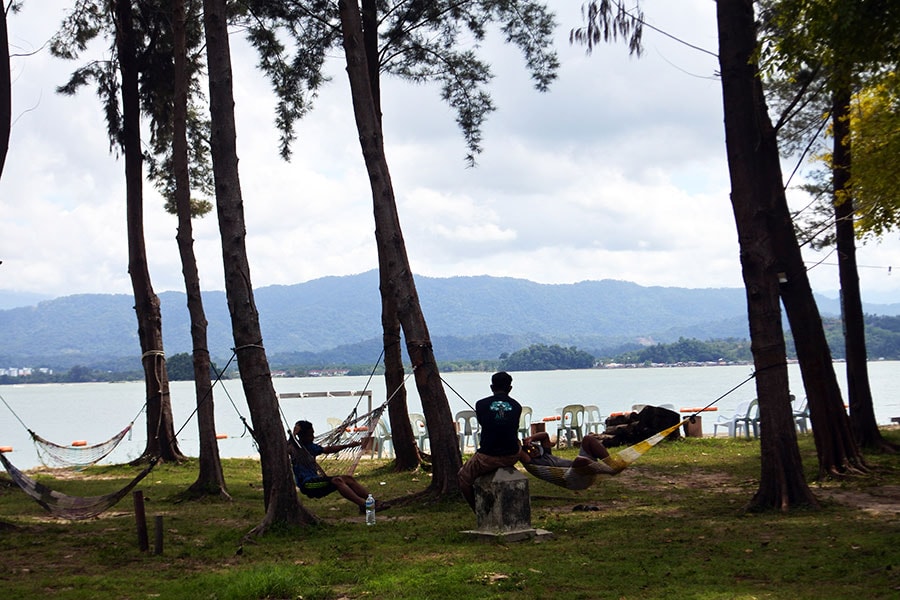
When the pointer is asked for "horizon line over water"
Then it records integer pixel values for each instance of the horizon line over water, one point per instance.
(95, 412)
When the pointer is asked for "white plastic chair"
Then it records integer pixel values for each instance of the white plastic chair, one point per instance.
(525, 422)
(751, 419)
(800, 410)
(333, 424)
(731, 423)
(383, 438)
(593, 420)
(419, 429)
(468, 428)
(572, 423)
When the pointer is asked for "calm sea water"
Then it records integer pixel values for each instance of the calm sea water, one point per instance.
(96, 411)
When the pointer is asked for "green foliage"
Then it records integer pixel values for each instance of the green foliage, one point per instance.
(180, 367)
(92, 19)
(689, 351)
(417, 41)
(540, 357)
(607, 20)
(875, 141)
(809, 50)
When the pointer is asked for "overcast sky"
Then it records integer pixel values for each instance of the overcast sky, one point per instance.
(618, 172)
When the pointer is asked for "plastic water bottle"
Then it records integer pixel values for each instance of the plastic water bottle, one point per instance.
(370, 510)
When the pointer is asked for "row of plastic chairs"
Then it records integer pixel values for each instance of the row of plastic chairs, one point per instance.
(746, 417)
(576, 420)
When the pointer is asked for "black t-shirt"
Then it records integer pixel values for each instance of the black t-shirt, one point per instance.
(498, 416)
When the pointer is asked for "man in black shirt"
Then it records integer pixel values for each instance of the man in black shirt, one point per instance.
(498, 415)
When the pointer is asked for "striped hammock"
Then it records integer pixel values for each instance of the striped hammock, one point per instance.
(69, 507)
(55, 455)
(583, 477)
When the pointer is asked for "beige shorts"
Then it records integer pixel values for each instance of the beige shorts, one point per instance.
(481, 464)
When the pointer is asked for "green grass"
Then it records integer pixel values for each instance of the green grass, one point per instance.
(673, 525)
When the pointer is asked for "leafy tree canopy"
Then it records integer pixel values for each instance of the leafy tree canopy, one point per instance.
(540, 357)
(421, 41)
(93, 19)
(181, 367)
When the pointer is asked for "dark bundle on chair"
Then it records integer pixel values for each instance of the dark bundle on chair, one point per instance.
(630, 428)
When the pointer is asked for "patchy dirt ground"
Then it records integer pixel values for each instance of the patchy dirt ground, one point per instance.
(876, 500)
(884, 500)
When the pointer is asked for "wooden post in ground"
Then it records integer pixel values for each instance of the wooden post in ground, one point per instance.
(140, 518)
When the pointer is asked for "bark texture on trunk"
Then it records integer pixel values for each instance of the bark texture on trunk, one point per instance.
(397, 276)
(5, 92)
(161, 442)
(755, 185)
(862, 411)
(210, 479)
(836, 449)
(405, 448)
(282, 505)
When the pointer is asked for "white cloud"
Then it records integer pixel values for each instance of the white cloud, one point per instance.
(617, 172)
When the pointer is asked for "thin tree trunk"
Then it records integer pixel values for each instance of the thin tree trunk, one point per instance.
(755, 183)
(406, 450)
(862, 411)
(446, 460)
(282, 505)
(5, 90)
(404, 442)
(161, 442)
(836, 449)
(210, 479)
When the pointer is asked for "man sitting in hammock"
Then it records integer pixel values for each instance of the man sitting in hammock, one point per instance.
(312, 480)
(579, 473)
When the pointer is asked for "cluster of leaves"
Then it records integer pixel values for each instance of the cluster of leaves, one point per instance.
(91, 19)
(433, 41)
(540, 357)
(181, 367)
(77, 374)
(882, 337)
(690, 351)
(810, 48)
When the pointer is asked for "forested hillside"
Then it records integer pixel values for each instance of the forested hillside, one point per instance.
(336, 320)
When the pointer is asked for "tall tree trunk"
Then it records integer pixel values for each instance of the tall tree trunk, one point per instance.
(836, 449)
(282, 505)
(755, 185)
(210, 479)
(446, 460)
(5, 90)
(862, 411)
(406, 450)
(161, 440)
(404, 442)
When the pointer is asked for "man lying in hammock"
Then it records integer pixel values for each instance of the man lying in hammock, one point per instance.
(312, 480)
(579, 473)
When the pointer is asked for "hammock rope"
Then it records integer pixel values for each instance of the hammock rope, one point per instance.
(52, 454)
(76, 507)
(78, 457)
(362, 429)
(582, 477)
(70, 507)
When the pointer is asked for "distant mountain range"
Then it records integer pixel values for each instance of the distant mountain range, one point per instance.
(337, 320)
